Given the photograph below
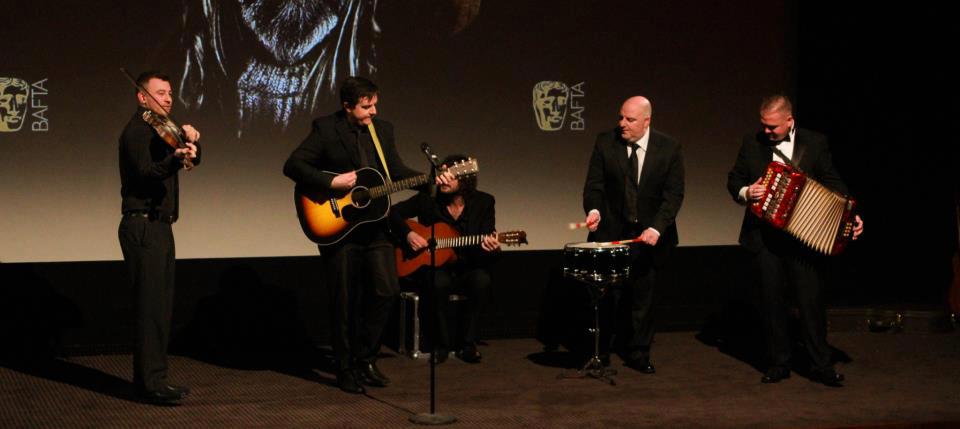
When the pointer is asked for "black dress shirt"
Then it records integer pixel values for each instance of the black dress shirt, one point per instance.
(148, 171)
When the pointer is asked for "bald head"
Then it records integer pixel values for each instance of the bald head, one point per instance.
(639, 104)
(635, 118)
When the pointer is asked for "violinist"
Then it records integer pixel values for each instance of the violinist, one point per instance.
(151, 156)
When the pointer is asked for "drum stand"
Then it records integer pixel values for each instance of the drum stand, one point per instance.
(594, 367)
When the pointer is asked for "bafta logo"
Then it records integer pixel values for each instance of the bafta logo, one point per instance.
(550, 100)
(13, 103)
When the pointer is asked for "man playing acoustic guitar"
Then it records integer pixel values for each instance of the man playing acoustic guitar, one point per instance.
(470, 212)
(359, 268)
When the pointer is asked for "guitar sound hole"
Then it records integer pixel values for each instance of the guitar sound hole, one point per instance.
(360, 197)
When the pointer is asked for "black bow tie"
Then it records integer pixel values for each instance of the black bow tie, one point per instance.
(787, 137)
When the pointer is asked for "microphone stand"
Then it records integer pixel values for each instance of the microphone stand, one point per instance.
(432, 418)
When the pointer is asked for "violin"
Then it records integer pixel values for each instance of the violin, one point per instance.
(169, 132)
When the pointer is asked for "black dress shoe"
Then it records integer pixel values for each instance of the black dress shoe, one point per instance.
(469, 354)
(642, 365)
(180, 390)
(370, 375)
(828, 377)
(347, 381)
(775, 374)
(162, 396)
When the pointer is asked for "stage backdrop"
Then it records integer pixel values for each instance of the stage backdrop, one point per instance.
(522, 86)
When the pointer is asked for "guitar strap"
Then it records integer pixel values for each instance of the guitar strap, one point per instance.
(376, 144)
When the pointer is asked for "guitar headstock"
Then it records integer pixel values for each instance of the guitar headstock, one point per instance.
(464, 168)
(512, 238)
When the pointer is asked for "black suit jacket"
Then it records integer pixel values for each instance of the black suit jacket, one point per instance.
(330, 147)
(810, 152)
(659, 193)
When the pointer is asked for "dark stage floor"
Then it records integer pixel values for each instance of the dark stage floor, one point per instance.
(894, 381)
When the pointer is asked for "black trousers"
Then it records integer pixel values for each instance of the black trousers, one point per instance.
(627, 325)
(149, 253)
(361, 277)
(473, 283)
(626, 312)
(789, 271)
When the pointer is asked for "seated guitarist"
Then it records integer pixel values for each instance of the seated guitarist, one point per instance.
(358, 270)
(470, 212)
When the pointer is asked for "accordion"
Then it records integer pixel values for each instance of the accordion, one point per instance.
(820, 218)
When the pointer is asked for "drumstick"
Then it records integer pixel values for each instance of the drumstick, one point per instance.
(576, 225)
(628, 241)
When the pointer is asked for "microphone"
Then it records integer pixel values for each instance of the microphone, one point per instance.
(432, 157)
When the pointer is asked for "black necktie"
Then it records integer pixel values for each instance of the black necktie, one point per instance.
(634, 164)
(630, 187)
(364, 143)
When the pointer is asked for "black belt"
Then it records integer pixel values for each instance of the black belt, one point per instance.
(153, 216)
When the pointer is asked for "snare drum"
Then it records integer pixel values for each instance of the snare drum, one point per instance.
(595, 262)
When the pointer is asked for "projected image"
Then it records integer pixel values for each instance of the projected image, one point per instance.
(270, 61)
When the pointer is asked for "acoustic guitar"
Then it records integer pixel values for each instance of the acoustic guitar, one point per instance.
(447, 238)
(328, 216)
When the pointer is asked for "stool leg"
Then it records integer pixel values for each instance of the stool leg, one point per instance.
(402, 341)
(416, 327)
(413, 351)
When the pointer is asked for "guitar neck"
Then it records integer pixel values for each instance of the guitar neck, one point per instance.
(400, 185)
(458, 170)
(467, 240)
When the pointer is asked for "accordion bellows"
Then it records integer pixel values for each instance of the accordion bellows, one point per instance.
(820, 218)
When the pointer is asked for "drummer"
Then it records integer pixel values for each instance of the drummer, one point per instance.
(634, 189)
